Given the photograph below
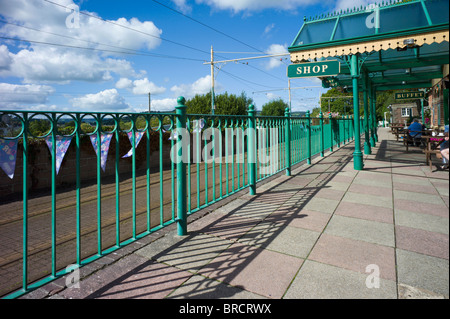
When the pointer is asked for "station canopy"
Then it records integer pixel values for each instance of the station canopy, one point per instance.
(400, 45)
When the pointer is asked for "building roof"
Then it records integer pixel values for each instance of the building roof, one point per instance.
(402, 45)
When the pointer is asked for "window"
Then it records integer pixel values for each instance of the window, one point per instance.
(406, 112)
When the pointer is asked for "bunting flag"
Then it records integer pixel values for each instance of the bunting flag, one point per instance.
(105, 140)
(137, 139)
(199, 125)
(173, 136)
(8, 153)
(62, 144)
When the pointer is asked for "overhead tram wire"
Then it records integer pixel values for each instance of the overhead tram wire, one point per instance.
(148, 34)
(207, 26)
(131, 51)
(102, 50)
(220, 32)
(132, 29)
(244, 80)
(167, 40)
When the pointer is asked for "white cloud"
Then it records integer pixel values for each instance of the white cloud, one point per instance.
(140, 87)
(256, 5)
(124, 83)
(144, 86)
(269, 28)
(163, 105)
(89, 32)
(26, 94)
(5, 59)
(201, 86)
(45, 64)
(182, 6)
(104, 101)
(276, 49)
(38, 62)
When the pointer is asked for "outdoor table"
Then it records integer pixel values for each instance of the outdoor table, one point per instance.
(431, 143)
(396, 130)
(407, 138)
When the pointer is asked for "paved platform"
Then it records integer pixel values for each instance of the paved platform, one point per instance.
(326, 232)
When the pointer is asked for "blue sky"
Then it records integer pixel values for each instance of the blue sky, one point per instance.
(112, 53)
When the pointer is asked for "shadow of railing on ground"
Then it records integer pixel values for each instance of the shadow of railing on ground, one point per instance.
(221, 249)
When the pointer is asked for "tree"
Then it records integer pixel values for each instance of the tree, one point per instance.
(230, 104)
(199, 104)
(274, 108)
(226, 104)
(336, 101)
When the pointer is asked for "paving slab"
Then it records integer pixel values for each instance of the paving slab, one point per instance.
(322, 205)
(422, 241)
(281, 238)
(321, 281)
(257, 270)
(368, 199)
(354, 255)
(199, 287)
(421, 271)
(365, 211)
(185, 252)
(307, 219)
(426, 222)
(361, 229)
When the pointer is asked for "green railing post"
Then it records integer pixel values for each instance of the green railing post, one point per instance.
(25, 204)
(308, 138)
(357, 154)
(331, 132)
(322, 144)
(287, 114)
(181, 169)
(252, 149)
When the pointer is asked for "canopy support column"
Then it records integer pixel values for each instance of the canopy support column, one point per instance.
(357, 155)
(367, 123)
(374, 112)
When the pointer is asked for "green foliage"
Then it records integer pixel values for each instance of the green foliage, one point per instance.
(226, 104)
(341, 104)
(199, 104)
(315, 112)
(384, 99)
(39, 127)
(274, 108)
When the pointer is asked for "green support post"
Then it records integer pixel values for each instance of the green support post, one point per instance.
(181, 170)
(252, 149)
(287, 114)
(331, 132)
(322, 144)
(357, 155)
(374, 138)
(308, 138)
(367, 148)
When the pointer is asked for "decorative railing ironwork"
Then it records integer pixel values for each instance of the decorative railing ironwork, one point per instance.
(201, 159)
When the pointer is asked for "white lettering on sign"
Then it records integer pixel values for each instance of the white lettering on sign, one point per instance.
(316, 69)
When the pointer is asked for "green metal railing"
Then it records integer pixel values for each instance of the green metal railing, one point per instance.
(219, 156)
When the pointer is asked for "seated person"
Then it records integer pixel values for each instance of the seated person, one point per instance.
(444, 148)
(415, 131)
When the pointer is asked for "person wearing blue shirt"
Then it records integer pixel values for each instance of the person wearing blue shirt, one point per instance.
(415, 131)
(444, 149)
